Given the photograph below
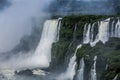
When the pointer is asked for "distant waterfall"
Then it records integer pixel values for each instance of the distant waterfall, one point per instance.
(93, 70)
(49, 35)
(115, 78)
(58, 28)
(86, 33)
(70, 72)
(80, 74)
(104, 32)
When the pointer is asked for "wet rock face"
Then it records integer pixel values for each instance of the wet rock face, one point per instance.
(25, 72)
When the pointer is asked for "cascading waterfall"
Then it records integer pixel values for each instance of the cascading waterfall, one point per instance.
(117, 29)
(93, 70)
(93, 33)
(86, 33)
(104, 32)
(102, 35)
(80, 73)
(70, 72)
(42, 55)
(49, 35)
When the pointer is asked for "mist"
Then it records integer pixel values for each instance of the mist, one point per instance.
(16, 20)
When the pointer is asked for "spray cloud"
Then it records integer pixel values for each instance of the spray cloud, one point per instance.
(16, 20)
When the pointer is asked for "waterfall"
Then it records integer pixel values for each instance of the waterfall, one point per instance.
(115, 78)
(58, 29)
(117, 29)
(103, 30)
(103, 34)
(92, 33)
(93, 70)
(70, 72)
(86, 34)
(112, 29)
(80, 74)
(41, 57)
(49, 35)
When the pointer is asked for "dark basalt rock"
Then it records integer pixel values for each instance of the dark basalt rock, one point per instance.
(25, 72)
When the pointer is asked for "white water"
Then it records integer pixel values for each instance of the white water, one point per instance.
(112, 29)
(39, 72)
(115, 78)
(93, 70)
(42, 55)
(58, 31)
(80, 75)
(117, 29)
(92, 31)
(104, 32)
(86, 39)
(70, 72)
(8, 74)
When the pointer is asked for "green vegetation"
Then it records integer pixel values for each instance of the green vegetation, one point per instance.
(69, 23)
(108, 53)
(67, 45)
